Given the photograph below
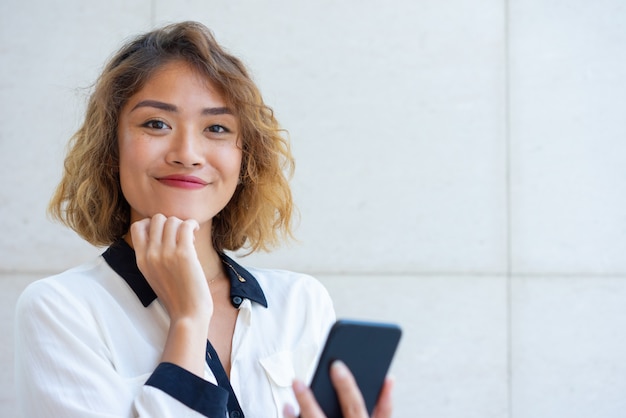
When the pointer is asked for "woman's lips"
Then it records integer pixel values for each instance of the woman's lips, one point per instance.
(183, 182)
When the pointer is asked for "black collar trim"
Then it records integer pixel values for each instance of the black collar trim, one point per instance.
(121, 258)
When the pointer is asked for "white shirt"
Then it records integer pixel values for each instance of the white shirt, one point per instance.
(86, 346)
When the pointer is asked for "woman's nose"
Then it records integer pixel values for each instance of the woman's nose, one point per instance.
(186, 150)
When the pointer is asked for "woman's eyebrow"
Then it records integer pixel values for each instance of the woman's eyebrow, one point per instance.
(167, 107)
(217, 111)
(156, 104)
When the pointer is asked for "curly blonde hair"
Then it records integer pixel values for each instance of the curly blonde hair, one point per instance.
(89, 198)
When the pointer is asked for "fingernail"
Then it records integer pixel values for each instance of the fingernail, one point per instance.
(340, 368)
(288, 411)
(298, 386)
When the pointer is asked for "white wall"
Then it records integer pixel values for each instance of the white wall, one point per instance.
(460, 171)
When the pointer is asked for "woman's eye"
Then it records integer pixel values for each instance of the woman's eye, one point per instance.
(156, 124)
(217, 129)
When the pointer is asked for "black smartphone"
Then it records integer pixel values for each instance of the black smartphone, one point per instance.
(367, 348)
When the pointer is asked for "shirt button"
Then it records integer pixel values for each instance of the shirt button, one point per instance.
(235, 414)
(237, 301)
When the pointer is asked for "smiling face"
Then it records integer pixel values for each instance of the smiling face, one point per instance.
(179, 148)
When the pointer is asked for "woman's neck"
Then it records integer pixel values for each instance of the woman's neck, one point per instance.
(207, 255)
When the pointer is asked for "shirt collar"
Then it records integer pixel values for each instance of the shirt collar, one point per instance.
(121, 258)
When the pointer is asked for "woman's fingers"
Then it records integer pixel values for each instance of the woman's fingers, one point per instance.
(289, 412)
(167, 257)
(156, 230)
(384, 406)
(350, 397)
(139, 233)
(169, 237)
(186, 232)
(308, 405)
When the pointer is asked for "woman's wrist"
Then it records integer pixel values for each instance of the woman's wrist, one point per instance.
(186, 343)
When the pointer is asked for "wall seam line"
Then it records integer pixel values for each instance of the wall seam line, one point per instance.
(418, 274)
(509, 240)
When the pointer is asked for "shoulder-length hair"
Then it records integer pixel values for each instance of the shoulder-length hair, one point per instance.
(89, 198)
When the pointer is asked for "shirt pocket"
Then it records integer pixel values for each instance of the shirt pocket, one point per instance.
(282, 367)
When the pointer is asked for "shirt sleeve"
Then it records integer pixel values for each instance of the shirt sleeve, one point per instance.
(63, 368)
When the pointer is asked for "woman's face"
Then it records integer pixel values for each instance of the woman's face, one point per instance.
(178, 147)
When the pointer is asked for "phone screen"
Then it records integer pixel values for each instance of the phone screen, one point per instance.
(367, 348)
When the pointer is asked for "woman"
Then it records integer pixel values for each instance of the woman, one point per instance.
(178, 160)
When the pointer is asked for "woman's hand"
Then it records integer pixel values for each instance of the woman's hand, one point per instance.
(166, 256)
(350, 398)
